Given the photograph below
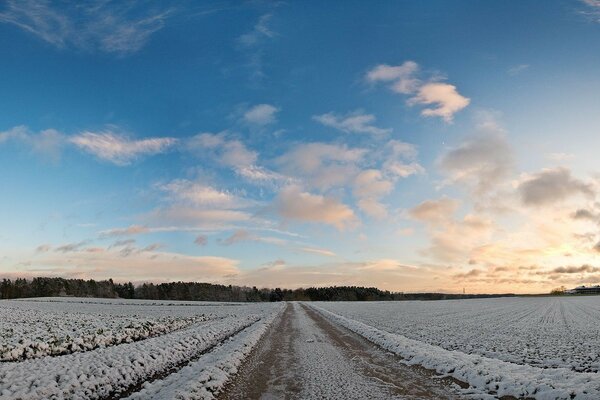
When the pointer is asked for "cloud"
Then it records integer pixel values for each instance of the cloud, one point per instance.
(356, 122)
(123, 243)
(17, 132)
(444, 97)
(292, 203)
(43, 248)
(400, 160)
(257, 174)
(314, 250)
(560, 157)
(119, 149)
(199, 194)
(592, 11)
(383, 273)
(135, 264)
(261, 114)
(252, 44)
(432, 211)
(234, 154)
(451, 239)
(107, 26)
(574, 269)
(551, 186)
(402, 75)
(70, 247)
(201, 240)
(321, 165)
(128, 231)
(517, 69)
(241, 235)
(228, 152)
(585, 214)
(369, 187)
(259, 32)
(47, 143)
(182, 216)
(481, 162)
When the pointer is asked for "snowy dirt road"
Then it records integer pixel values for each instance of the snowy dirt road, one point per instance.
(304, 356)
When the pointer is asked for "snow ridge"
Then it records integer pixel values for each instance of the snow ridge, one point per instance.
(206, 377)
(491, 376)
(109, 372)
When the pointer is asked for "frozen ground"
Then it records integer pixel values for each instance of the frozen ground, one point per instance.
(304, 356)
(115, 370)
(540, 331)
(541, 348)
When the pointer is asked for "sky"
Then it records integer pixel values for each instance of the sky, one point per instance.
(408, 145)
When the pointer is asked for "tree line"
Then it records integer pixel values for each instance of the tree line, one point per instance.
(196, 291)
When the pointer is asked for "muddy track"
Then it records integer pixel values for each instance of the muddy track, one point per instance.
(305, 356)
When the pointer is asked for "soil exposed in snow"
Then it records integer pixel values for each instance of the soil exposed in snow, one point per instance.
(304, 356)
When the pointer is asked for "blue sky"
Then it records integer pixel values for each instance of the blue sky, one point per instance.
(413, 146)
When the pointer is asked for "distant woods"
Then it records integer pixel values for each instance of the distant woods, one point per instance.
(194, 291)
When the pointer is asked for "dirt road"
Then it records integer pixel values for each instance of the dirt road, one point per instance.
(304, 356)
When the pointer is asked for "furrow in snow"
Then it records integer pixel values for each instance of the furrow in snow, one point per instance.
(497, 377)
(206, 377)
(110, 372)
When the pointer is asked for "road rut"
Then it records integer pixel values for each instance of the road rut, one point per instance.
(305, 356)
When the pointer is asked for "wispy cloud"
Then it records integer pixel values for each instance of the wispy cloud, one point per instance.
(252, 45)
(443, 99)
(261, 114)
(355, 122)
(118, 148)
(517, 69)
(260, 31)
(592, 10)
(107, 26)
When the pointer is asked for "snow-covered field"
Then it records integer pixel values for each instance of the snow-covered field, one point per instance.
(73, 348)
(543, 347)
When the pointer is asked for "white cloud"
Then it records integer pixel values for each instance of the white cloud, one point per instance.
(229, 152)
(292, 203)
(356, 122)
(47, 143)
(400, 160)
(443, 96)
(199, 194)
(402, 75)
(17, 132)
(108, 26)
(261, 114)
(119, 149)
(402, 79)
(322, 165)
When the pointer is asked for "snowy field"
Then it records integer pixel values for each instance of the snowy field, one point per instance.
(72, 348)
(542, 347)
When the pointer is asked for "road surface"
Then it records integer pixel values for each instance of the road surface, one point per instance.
(304, 356)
